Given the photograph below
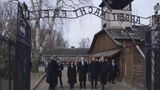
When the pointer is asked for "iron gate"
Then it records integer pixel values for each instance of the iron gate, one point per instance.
(23, 51)
(7, 55)
(15, 48)
(152, 62)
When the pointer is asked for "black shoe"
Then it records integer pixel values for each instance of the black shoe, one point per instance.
(102, 87)
(71, 88)
(96, 87)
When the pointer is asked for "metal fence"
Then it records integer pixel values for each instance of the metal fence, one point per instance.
(152, 61)
(15, 46)
(7, 55)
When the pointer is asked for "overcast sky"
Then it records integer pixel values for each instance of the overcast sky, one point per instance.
(89, 25)
(83, 27)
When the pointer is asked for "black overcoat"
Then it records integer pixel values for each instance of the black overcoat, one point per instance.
(82, 71)
(103, 72)
(93, 70)
(52, 74)
(72, 74)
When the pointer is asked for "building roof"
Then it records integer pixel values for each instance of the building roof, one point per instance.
(138, 33)
(97, 35)
(116, 4)
(67, 52)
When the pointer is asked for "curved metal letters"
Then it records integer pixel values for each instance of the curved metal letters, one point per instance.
(72, 14)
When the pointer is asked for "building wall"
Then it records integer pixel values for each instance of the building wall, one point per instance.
(132, 65)
(103, 43)
(121, 67)
(127, 61)
(138, 69)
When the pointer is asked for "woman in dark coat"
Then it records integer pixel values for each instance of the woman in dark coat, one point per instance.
(72, 74)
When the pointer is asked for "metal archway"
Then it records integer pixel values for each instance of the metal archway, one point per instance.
(73, 14)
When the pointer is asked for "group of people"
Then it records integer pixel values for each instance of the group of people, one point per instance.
(96, 70)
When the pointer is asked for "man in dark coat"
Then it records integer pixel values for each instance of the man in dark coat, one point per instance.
(82, 71)
(52, 75)
(60, 68)
(113, 71)
(93, 72)
(72, 75)
(103, 73)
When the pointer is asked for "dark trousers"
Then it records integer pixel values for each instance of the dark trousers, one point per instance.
(94, 81)
(71, 85)
(103, 87)
(112, 77)
(82, 84)
(60, 80)
(52, 87)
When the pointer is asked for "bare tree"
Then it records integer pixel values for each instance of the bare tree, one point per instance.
(8, 19)
(44, 36)
(43, 33)
(84, 43)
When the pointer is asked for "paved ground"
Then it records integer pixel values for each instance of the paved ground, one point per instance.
(35, 78)
(118, 86)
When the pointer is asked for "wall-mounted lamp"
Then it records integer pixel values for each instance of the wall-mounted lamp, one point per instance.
(156, 8)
